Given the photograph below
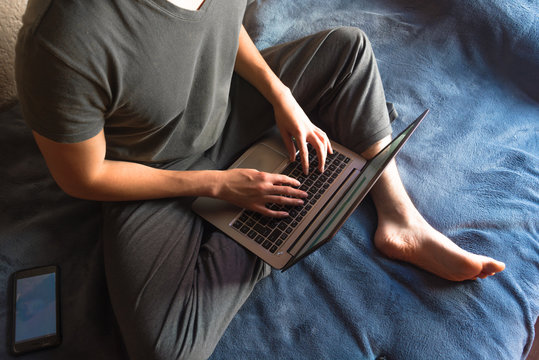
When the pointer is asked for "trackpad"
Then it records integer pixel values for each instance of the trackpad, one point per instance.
(262, 158)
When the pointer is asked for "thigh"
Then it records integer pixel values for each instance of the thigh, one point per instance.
(174, 286)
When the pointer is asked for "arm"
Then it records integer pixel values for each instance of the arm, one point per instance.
(82, 171)
(290, 118)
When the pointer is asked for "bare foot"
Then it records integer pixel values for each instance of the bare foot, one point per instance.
(410, 238)
(404, 234)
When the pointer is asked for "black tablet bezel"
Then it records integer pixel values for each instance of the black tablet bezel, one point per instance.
(42, 342)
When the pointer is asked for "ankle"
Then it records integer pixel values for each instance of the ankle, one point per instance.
(400, 212)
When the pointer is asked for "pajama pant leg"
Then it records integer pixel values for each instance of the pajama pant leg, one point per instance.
(174, 286)
(176, 283)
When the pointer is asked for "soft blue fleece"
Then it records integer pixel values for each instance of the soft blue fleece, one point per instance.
(472, 168)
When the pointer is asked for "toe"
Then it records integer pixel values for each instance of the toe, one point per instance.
(491, 266)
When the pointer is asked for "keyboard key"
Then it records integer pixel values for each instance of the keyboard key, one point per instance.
(289, 169)
(262, 230)
(275, 235)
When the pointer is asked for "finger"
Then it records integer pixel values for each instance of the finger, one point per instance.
(325, 139)
(289, 191)
(321, 148)
(281, 200)
(285, 180)
(289, 143)
(268, 212)
(328, 143)
(304, 155)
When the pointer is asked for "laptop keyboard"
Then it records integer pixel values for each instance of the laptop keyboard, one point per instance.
(270, 232)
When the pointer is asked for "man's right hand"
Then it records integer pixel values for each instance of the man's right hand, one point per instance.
(252, 189)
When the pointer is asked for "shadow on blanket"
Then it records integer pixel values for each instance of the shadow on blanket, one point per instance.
(471, 168)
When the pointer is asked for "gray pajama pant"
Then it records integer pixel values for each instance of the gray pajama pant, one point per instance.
(176, 283)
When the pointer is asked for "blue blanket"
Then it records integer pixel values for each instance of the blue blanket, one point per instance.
(471, 168)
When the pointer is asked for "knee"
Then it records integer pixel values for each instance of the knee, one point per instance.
(352, 46)
(351, 36)
(351, 39)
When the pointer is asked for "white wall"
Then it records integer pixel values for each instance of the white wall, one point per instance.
(10, 21)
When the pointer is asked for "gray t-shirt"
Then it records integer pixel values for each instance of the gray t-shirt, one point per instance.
(154, 76)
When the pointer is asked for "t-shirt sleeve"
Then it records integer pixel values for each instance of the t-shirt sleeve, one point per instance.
(57, 101)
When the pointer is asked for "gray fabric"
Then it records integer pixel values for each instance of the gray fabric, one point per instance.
(343, 95)
(154, 76)
(174, 284)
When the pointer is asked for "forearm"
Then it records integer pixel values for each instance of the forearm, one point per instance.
(290, 118)
(122, 181)
(251, 66)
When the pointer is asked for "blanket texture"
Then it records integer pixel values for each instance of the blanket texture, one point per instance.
(471, 168)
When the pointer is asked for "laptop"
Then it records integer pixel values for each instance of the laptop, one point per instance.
(333, 196)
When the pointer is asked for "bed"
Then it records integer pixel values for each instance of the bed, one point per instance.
(472, 169)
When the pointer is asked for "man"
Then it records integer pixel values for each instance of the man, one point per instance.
(134, 103)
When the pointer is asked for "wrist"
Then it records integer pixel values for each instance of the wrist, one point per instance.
(192, 183)
(278, 95)
(214, 181)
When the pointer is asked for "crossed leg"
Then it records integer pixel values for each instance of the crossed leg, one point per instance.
(404, 234)
(335, 78)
